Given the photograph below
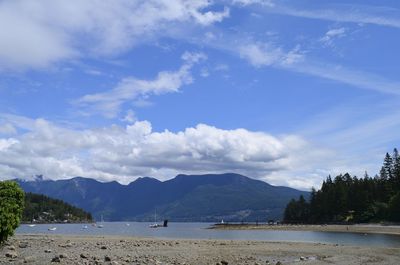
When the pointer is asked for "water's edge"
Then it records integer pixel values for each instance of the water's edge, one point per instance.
(199, 231)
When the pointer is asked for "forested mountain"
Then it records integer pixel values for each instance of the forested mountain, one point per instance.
(352, 199)
(184, 198)
(42, 209)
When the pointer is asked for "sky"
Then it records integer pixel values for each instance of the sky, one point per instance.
(287, 92)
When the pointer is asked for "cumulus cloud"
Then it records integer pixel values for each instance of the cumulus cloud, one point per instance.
(125, 153)
(131, 88)
(36, 34)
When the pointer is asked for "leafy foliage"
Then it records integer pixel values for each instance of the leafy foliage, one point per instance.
(46, 209)
(352, 199)
(11, 207)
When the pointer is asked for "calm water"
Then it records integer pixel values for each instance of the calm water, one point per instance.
(198, 231)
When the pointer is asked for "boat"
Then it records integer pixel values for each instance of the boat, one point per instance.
(32, 222)
(52, 228)
(155, 225)
(101, 224)
(85, 227)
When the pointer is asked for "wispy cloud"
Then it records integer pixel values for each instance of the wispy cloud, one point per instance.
(333, 34)
(261, 54)
(359, 132)
(375, 15)
(266, 54)
(7, 129)
(355, 78)
(253, 2)
(130, 88)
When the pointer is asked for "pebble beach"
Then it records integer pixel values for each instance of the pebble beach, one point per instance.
(61, 249)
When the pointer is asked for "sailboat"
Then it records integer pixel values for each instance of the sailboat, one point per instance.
(102, 221)
(155, 225)
(32, 222)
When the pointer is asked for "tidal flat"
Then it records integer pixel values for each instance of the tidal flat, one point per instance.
(73, 249)
(357, 228)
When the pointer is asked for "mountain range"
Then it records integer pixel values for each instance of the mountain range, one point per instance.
(211, 197)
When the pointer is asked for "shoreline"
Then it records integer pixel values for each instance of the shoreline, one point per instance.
(357, 228)
(78, 249)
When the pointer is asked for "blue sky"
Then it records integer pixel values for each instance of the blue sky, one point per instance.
(283, 91)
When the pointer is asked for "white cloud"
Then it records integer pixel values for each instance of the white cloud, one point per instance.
(130, 88)
(7, 129)
(266, 54)
(269, 3)
(125, 153)
(360, 14)
(333, 34)
(37, 34)
(259, 55)
(130, 116)
(338, 73)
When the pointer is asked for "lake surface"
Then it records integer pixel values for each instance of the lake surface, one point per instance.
(199, 231)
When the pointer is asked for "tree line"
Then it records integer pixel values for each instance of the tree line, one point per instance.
(44, 209)
(347, 199)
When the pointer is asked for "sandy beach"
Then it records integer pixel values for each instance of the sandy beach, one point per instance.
(358, 228)
(54, 249)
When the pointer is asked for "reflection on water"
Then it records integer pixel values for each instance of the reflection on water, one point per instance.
(198, 231)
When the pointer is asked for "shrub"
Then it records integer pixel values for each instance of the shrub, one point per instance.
(11, 208)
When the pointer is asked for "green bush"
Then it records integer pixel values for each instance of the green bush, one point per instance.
(11, 208)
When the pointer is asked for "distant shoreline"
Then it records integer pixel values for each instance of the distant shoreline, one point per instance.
(357, 228)
(55, 222)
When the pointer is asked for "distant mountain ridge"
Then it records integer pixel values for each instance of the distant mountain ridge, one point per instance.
(210, 197)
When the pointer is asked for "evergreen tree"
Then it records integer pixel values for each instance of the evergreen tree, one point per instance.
(350, 199)
(388, 166)
(382, 174)
(396, 169)
(394, 208)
